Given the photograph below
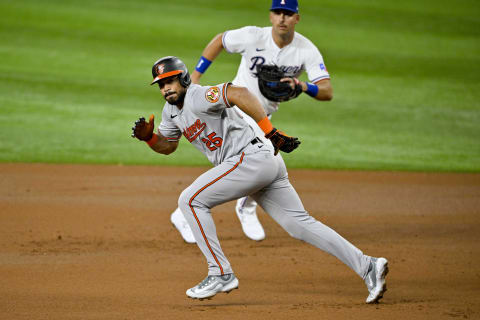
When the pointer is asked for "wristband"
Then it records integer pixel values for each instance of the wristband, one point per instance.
(265, 125)
(153, 140)
(312, 90)
(203, 64)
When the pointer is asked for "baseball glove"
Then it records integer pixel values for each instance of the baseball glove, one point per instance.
(272, 88)
(143, 130)
(282, 142)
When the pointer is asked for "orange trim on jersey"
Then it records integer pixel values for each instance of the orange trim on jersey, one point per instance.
(265, 125)
(224, 94)
(318, 81)
(195, 215)
(166, 75)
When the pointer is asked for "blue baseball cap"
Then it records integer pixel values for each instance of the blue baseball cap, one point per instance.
(290, 5)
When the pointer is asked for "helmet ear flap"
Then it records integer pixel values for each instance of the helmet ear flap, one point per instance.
(185, 79)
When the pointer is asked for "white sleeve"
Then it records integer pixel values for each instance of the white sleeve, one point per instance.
(315, 66)
(167, 128)
(236, 41)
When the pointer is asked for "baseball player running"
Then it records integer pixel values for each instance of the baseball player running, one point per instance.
(280, 46)
(243, 165)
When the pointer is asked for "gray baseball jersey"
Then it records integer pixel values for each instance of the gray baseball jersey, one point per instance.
(243, 166)
(208, 122)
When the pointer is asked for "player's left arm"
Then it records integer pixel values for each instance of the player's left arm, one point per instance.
(320, 90)
(248, 103)
(319, 87)
(325, 90)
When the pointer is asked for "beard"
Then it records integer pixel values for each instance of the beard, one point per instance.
(176, 98)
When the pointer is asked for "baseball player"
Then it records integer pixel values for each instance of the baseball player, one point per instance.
(243, 165)
(278, 45)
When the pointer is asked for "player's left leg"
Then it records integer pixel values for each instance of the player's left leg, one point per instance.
(282, 203)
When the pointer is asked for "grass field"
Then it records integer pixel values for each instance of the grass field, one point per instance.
(74, 76)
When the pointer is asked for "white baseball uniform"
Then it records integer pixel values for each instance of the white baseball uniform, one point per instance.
(257, 47)
(243, 166)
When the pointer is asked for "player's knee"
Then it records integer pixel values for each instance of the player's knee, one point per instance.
(293, 229)
(295, 234)
(184, 199)
(297, 227)
(188, 198)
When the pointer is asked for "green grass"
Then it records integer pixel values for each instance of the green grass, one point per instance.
(74, 77)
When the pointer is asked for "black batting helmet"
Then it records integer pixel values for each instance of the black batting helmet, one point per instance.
(168, 67)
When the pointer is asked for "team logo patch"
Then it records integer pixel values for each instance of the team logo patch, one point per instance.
(160, 68)
(212, 95)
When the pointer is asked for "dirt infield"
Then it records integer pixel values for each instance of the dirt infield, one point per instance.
(95, 242)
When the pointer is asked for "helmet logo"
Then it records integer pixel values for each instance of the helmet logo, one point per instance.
(160, 68)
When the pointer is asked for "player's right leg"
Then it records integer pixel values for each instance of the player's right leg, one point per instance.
(232, 179)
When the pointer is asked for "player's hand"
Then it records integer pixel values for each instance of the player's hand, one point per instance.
(294, 83)
(143, 130)
(282, 142)
(290, 81)
(275, 85)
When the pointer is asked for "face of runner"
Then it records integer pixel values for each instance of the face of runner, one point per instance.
(172, 90)
(283, 21)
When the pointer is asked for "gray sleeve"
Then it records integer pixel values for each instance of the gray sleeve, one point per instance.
(167, 128)
(212, 100)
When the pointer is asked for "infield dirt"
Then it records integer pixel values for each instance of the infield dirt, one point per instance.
(95, 242)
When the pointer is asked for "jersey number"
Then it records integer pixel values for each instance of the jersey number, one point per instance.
(212, 143)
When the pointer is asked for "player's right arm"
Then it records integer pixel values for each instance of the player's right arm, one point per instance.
(162, 145)
(249, 103)
(232, 41)
(211, 51)
(144, 131)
